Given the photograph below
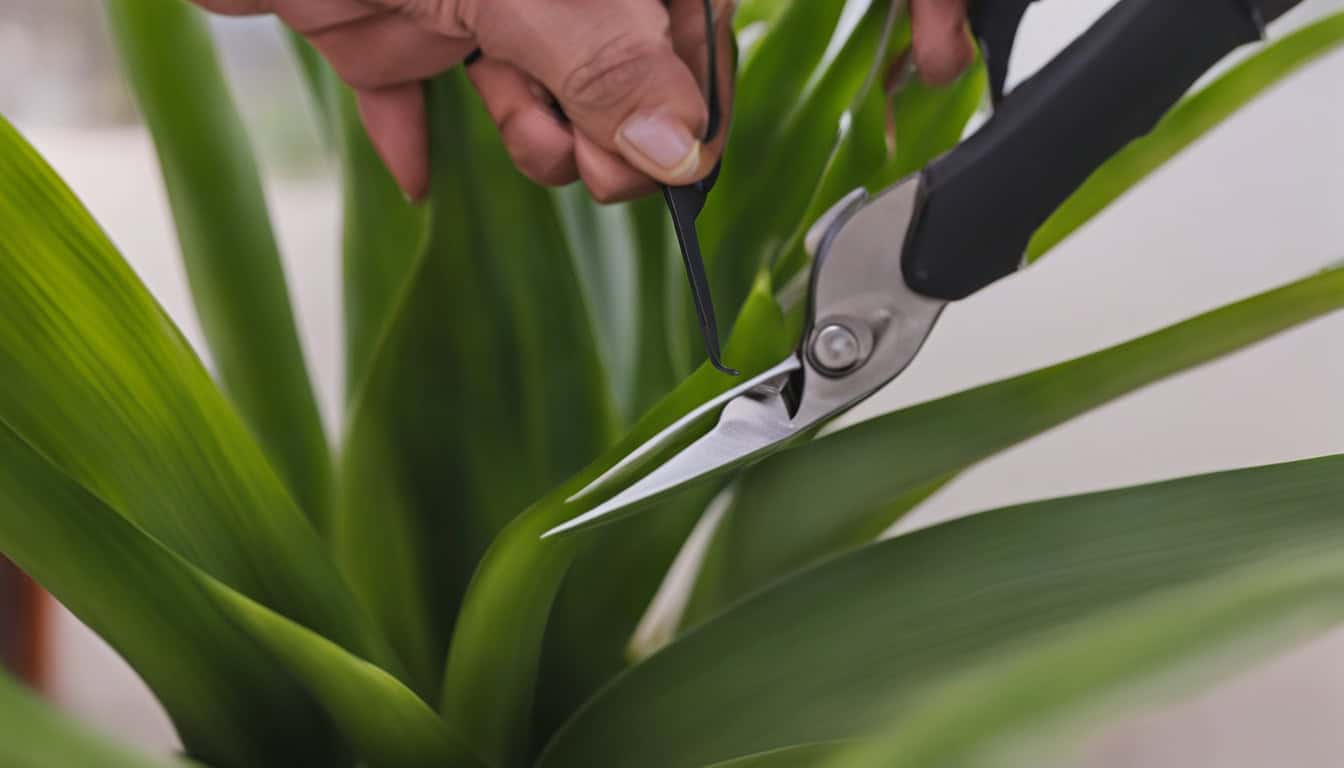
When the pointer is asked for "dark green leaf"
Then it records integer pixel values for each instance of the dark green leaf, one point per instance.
(485, 391)
(497, 643)
(822, 655)
(775, 526)
(1186, 635)
(382, 239)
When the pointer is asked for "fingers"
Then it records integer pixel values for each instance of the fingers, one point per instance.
(942, 40)
(538, 142)
(690, 43)
(236, 7)
(608, 177)
(384, 57)
(384, 50)
(396, 122)
(612, 66)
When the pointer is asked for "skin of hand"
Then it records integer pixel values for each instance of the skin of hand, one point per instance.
(628, 75)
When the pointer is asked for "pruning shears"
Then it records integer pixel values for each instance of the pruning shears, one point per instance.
(885, 265)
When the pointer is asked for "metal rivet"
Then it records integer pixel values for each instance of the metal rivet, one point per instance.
(836, 349)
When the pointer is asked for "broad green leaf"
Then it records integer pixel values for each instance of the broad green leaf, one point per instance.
(484, 392)
(604, 595)
(775, 527)
(32, 735)
(98, 380)
(388, 725)
(215, 682)
(220, 663)
(771, 173)
(1114, 661)
(382, 238)
(1186, 123)
(824, 654)
(229, 250)
(497, 642)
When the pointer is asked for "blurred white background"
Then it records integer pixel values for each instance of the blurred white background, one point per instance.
(1258, 203)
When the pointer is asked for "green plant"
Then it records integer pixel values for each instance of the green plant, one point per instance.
(397, 607)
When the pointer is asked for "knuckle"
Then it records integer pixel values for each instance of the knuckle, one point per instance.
(612, 74)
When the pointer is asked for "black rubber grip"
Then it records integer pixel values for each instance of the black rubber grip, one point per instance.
(982, 202)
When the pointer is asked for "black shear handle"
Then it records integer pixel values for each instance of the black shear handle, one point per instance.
(982, 202)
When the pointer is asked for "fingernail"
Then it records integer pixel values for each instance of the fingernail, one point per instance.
(664, 142)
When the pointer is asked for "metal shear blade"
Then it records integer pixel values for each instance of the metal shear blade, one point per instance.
(750, 425)
(866, 326)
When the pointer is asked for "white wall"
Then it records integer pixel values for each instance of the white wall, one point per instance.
(1256, 204)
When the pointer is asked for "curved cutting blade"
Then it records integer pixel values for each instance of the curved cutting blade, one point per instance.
(751, 426)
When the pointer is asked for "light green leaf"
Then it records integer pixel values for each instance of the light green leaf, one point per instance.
(497, 643)
(930, 121)
(770, 176)
(774, 528)
(821, 655)
(98, 381)
(321, 83)
(220, 663)
(1115, 661)
(602, 242)
(214, 681)
(228, 247)
(1186, 123)
(484, 392)
(382, 238)
(32, 735)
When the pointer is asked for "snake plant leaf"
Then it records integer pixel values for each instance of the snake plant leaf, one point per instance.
(1187, 122)
(98, 380)
(769, 181)
(896, 617)
(998, 711)
(484, 392)
(489, 683)
(774, 527)
(215, 682)
(32, 735)
(232, 262)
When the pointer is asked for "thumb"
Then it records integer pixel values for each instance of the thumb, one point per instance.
(612, 67)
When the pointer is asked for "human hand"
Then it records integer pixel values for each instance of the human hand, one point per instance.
(628, 75)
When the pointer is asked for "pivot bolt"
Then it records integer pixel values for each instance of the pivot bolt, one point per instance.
(836, 349)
